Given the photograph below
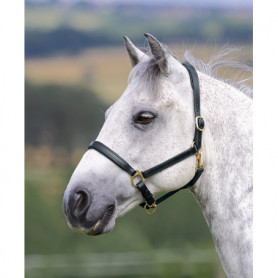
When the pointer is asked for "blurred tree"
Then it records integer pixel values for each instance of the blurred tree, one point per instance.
(61, 116)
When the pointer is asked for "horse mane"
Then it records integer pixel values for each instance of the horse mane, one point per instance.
(148, 71)
(225, 58)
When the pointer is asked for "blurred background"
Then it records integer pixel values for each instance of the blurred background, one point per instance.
(76, 66)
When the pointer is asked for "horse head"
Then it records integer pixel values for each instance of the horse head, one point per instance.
(152, 121)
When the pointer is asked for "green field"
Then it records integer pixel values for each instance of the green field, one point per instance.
(105, 70)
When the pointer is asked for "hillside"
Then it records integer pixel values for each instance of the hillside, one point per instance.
(53, 27)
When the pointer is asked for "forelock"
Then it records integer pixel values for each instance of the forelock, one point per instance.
(146, 74)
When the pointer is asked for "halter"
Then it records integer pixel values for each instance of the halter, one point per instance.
(150, 203)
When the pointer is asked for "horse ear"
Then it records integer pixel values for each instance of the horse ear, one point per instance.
(159, 53)
(135, 54)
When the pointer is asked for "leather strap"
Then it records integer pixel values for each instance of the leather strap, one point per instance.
(141, 186)
(147, 195)
(197, 107)
(107, 152)
(101, 148)
(189, 184)
(168, 163)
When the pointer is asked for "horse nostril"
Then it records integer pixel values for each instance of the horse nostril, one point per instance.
(81, 203)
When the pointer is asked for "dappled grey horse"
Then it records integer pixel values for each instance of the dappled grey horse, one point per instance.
(155, 120)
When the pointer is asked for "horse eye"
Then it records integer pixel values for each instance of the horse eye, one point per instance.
(144, 118)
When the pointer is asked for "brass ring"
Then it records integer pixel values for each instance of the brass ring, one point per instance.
(137, 174)
(147, 207)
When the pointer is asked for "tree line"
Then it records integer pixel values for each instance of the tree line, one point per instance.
(65, 116)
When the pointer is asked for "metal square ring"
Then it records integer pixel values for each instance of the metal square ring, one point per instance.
(197, 123)
(137, 174)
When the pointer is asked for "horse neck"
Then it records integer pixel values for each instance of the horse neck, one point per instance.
(225, 190)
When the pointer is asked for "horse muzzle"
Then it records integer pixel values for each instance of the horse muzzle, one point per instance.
(87, 213)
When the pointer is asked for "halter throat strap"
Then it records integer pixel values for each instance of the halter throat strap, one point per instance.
(150, 202)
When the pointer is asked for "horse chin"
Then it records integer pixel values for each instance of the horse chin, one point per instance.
(99, 229)
(107, 222)
(104, 225)
(123, 209)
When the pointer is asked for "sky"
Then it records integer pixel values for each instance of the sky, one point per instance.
(212, 3)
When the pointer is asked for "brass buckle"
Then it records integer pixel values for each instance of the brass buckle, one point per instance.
(137, 174)
(197, 124)
(198, 160)
(147, 207)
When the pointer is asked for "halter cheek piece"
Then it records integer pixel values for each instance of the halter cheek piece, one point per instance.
(150, 204)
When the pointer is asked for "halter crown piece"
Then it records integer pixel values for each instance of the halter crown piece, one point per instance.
(150, 203)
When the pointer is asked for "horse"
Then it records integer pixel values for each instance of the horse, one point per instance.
(155, 120)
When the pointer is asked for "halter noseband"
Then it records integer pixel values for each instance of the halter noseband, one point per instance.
(150, 204)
